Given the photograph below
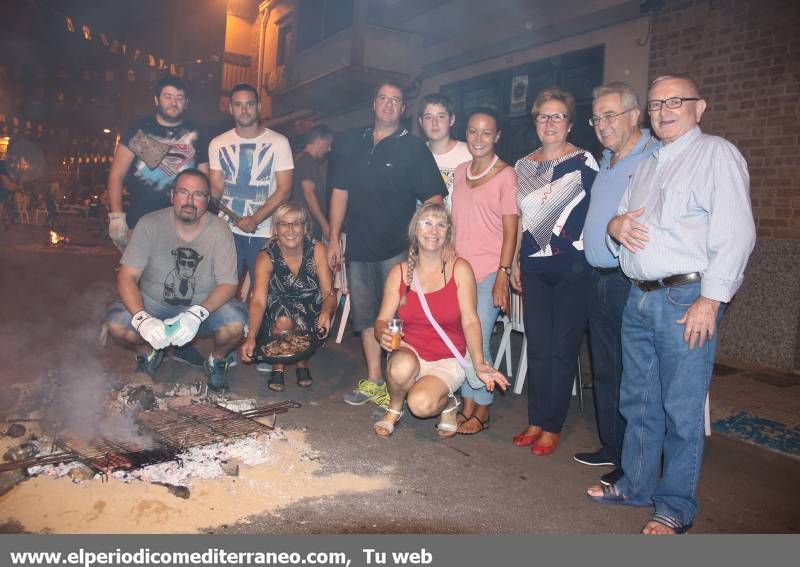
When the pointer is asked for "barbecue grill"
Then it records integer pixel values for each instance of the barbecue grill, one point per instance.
(167, 433)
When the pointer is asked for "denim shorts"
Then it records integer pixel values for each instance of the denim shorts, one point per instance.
(231, 312)
(366, 281)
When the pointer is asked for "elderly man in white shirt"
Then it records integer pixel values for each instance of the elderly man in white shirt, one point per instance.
(684, 233)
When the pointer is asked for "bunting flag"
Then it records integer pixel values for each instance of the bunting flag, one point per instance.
(117, 46)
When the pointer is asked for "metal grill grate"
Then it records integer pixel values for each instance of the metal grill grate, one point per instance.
(173, 431)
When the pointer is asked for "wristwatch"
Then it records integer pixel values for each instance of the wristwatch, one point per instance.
(506, 269)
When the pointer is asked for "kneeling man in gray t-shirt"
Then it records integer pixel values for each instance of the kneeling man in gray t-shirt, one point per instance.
(177, 280)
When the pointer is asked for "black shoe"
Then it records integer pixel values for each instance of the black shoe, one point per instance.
(304, 379)
(276, 381)
(611, 478)
(188, 355)
(149, 363)
(217, 372)
(596, 459)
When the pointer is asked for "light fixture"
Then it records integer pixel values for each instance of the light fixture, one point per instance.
(106, 130)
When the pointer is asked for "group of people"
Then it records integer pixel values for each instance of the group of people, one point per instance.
(645, 249)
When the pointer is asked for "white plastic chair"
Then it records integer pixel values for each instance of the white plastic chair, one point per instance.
(342, 291)
(513, 322)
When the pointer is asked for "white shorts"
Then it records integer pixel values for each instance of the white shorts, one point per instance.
(448, 370)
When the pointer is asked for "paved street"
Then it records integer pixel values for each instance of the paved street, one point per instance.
(52, 302)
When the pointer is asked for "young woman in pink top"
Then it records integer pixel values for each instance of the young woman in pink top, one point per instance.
(423, 371)
(485, 216)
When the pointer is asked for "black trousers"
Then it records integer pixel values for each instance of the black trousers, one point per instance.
(555, 312)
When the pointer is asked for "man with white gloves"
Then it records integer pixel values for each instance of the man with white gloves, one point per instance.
(177, 280)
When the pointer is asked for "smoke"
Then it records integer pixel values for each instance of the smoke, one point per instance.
(53, 308)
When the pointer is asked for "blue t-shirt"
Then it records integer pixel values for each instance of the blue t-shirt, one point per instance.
(607, 191)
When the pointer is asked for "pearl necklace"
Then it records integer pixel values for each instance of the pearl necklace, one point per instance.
(484, 173)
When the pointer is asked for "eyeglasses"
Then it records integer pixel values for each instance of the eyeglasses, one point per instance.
(555, 117)
(609, 117)
(297, 225)
(673, 102)
(426, 224)
(194, 195)
(393, 100)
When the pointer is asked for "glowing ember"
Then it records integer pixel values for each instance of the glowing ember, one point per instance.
(56, 239)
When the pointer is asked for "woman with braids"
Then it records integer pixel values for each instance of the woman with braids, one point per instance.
(425, 371)
(484, 205)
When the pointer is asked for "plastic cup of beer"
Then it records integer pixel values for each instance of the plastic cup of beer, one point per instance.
(395, 328)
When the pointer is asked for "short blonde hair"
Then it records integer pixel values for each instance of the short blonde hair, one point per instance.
(292, 207)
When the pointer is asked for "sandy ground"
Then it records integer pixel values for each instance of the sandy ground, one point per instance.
(47, 505)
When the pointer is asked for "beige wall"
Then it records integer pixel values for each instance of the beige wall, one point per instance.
(625, 59)
(238, 35)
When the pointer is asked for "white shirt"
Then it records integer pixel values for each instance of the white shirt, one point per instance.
(447, 164)
(248, 166)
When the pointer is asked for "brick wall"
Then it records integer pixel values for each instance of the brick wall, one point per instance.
(745, 57)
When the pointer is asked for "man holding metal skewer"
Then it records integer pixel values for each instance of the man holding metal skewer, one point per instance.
(251, 174)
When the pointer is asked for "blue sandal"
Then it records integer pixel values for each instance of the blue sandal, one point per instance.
(675, 525)
(613, 495)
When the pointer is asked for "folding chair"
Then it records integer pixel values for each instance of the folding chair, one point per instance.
(513, 322)
(342, 291)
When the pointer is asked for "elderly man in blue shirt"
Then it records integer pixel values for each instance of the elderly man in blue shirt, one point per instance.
(616, 115)
(684, 233)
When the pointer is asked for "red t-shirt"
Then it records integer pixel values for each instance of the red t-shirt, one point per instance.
(417, 330)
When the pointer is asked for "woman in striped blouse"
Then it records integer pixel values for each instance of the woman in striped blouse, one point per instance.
(553, 186)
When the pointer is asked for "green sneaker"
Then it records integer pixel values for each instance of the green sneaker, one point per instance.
(367, 391)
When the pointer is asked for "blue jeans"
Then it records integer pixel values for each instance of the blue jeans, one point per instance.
(487, 313)
(662, 396)
(232, 311)
(247, 247)
(609, 294)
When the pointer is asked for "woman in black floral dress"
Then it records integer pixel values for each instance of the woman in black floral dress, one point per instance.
(292, 289)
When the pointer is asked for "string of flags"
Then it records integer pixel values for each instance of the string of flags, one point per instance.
(122, 48)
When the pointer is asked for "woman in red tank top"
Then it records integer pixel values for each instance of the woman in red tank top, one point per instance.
(423, 370)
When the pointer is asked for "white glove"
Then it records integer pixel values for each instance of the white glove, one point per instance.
(186, 324)
(118, 229)
(151, 329)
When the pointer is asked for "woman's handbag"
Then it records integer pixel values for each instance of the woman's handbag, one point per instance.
(466, 363)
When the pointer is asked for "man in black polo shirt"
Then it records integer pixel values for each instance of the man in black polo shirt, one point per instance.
(380, 175)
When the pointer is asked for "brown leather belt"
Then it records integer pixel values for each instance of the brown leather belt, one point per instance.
(670, 281)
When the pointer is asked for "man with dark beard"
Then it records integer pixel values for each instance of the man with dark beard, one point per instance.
(149, 156)
(177, 280)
